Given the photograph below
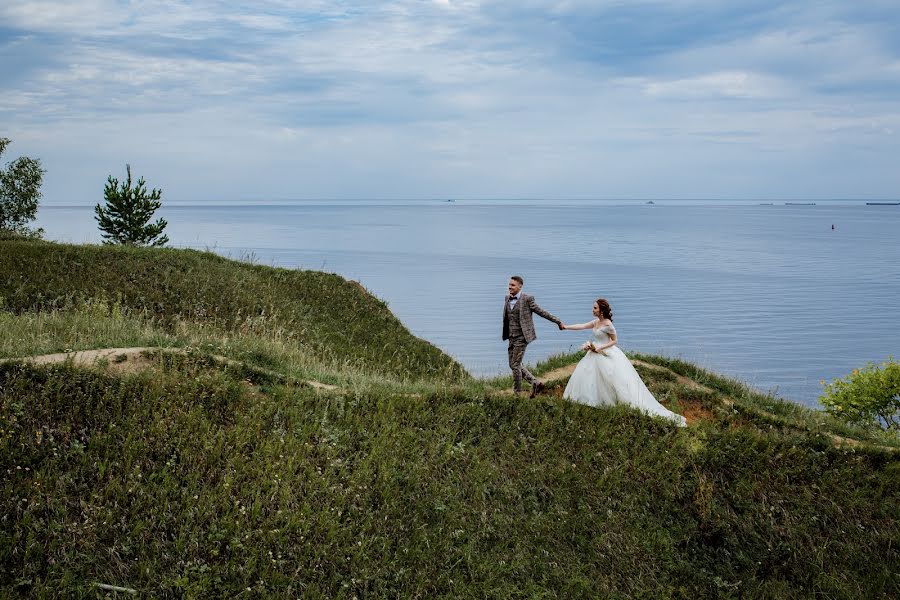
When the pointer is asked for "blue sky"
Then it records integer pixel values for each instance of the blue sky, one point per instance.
(277, 100)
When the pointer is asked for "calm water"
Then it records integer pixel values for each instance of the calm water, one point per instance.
(769, 294)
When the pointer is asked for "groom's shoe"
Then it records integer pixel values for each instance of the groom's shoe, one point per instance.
(536, 389)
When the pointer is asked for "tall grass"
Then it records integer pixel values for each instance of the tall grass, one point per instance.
(334, 319)
(767, 409)
(97, 324)
(92, 324)
(187, 481)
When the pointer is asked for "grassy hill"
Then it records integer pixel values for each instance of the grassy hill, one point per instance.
(219, 470)
(334, 321)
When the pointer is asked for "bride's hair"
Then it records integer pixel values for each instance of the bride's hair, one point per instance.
(605, 309)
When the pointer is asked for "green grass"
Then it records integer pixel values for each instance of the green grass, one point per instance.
(96, 325)
(202, 478)
(189, 481)
(333, 319)
(89, 326)
(767, 410)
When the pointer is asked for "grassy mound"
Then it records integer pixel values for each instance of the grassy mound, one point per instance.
(194, 480)
(335, 320)
(202, 477)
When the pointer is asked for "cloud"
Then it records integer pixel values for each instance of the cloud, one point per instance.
(733, 84)
(428, 99)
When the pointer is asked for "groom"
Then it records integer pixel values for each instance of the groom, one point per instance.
(518, 328)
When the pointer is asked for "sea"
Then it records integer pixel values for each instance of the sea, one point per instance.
(779, 295)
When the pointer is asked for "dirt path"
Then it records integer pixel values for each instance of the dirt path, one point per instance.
(123, 360)
(131, 360)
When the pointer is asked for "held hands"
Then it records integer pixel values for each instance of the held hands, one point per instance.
(590, 347)
(561, 326)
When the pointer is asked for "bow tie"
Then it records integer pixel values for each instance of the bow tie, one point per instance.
(513, 298)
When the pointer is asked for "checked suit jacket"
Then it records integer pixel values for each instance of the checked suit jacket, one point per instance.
(526, 307)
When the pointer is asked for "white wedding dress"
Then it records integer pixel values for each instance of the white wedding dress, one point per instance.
(601, 380)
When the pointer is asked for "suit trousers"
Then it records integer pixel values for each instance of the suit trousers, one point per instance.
(517, 346)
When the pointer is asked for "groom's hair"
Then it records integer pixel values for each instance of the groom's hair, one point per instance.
(518, 278)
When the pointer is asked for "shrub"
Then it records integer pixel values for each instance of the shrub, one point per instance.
(20, 190)
(868, 396)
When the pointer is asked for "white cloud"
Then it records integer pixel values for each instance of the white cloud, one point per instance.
(62, 16)
(729, 84)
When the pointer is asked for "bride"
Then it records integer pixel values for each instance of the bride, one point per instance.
(605, 376)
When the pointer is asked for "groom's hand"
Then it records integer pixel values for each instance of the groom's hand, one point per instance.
(561, 326)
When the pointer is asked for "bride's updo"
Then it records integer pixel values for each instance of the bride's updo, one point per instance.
(605, 309)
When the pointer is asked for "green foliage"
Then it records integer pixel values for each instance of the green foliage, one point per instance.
(869, 396)
(20, 191)
(126, 217)
(187, 481)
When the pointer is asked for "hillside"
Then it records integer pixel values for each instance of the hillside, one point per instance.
(214, 463)
(334, 320)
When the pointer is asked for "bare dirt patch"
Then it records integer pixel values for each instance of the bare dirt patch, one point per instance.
(118, 360)
(693, 412)
(126, 361)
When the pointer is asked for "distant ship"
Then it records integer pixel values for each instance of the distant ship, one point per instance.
(767, 204)
(650, 202)
(882, 203)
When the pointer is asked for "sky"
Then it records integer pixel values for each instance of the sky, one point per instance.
(277, 100)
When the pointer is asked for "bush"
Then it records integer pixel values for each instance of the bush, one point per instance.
(22, 234)
(868, 396)
(20, 191)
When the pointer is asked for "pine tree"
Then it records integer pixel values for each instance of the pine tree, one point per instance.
(126, 217)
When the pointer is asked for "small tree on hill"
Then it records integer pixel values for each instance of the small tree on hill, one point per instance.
(20, 190)
(126, 217)
(869, 396)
